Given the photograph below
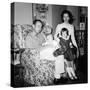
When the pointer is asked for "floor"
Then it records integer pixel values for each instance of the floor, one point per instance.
(81, 73)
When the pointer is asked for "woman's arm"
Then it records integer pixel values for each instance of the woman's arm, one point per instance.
(74, 41)
(57, 32)
(73, 38)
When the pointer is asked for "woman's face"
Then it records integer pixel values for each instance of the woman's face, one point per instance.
(38, 27)
(66, 17)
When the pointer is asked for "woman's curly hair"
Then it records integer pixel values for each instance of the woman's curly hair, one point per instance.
(69, 14)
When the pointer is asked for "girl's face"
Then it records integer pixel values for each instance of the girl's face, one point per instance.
(64, 34)
(38, 27)
(66, 17)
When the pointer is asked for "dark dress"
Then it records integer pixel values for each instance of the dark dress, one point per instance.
(65, 49)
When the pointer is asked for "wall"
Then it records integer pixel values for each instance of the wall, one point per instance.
(75, 12)
(56, 14)
(49, 16)
(23, 13)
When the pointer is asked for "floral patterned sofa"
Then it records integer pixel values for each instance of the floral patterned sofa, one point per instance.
(36, 72)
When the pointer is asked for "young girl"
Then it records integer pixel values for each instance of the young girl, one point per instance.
(67, 50)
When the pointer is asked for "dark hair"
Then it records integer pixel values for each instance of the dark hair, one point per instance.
(71, 19)
(64, 30)
(37, 20)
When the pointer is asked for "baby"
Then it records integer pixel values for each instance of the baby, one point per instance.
(48, 47)
(66, 49)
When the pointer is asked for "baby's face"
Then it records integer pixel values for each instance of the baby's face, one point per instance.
(49, 38)
(64, 34)
(48, 31)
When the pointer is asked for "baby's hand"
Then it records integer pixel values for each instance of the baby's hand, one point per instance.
(44, 44)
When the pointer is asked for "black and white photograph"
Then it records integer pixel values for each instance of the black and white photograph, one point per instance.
(49, 44)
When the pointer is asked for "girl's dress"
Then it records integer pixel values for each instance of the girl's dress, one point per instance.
(66, 50)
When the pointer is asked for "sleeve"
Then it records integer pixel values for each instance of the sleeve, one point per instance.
(58, 28)
(73, 37)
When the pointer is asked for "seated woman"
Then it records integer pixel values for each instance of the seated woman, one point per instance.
(37, 71)
(36, 38)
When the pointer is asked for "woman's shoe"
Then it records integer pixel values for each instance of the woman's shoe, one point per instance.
(56, 81)
(63, 80)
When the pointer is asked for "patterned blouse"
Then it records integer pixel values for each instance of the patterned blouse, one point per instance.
(34, 41)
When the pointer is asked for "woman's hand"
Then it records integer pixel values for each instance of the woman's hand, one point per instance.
(44, 44)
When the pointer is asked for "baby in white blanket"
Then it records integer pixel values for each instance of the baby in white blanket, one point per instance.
(48, 48)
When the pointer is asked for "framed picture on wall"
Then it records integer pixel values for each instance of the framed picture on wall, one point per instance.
(82, 26)
(40, 11)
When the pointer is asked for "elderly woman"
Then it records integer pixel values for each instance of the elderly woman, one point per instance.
(37, 71)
